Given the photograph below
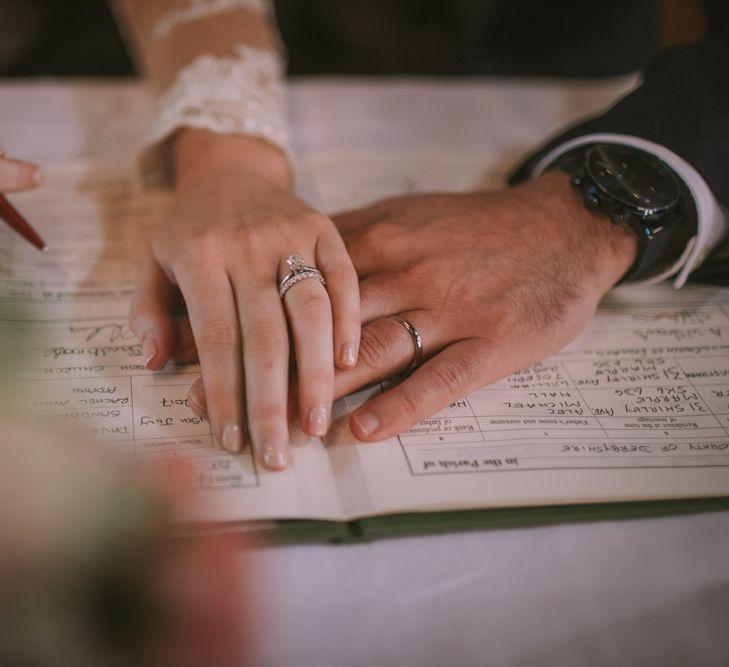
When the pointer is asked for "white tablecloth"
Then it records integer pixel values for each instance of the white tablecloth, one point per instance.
(648, 592)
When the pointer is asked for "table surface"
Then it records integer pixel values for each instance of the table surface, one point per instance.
(648, 592)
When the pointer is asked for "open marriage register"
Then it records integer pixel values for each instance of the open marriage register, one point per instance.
(630, 419)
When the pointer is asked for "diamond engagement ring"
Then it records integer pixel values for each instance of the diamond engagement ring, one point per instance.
(298, 271)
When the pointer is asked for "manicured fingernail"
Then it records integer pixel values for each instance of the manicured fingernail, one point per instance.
(319, 420)
(366, 423)
(349, 355)
(149, 351)
(38, 176)
(232, 438)
(275, 456)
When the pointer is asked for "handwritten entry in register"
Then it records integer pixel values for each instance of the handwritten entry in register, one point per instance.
(647, 384)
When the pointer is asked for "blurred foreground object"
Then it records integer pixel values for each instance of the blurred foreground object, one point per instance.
(89, 572)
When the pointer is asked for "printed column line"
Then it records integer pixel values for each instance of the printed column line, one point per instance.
(698, 393)
(582, 398)
(134, 418)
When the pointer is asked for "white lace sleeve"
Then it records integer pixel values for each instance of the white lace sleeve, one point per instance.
(187, 11)
(238, 94)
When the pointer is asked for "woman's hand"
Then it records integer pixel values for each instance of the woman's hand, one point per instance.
(16, 176)
(223, 248)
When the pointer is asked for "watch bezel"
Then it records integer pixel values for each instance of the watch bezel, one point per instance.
(662, 237)
(663, 174)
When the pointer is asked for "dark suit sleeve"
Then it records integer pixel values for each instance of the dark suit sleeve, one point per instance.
(682, 104)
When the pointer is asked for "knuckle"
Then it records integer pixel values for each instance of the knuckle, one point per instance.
(316, 220)
(311, 304)
(206, 246)
(342, 276)
(267, 417)
(219, 400)
(318, 380)
(386, 230)
(265, 335)
(218, 333)
(513, 319)
(378, 235)
(370, 298)
(451, 377)
(502, 333)
(251, 244)
(374, 236)
(410, 278)
(408, 400)
(200, 248)
(375, 344)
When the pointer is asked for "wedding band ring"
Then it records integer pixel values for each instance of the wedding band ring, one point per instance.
(417, 340)
(298, 271)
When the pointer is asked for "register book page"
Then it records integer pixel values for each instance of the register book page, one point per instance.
(636, 408)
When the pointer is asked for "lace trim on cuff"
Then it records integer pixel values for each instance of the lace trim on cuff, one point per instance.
(188, 11)
(243, 94)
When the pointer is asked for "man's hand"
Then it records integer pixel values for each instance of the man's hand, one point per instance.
(494, 282)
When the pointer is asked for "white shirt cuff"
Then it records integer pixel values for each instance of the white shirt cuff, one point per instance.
(712, 218)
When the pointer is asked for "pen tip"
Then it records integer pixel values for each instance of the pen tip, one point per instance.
(44, 248)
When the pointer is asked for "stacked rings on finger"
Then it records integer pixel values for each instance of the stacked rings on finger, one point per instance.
(298, 271)
(417, 341)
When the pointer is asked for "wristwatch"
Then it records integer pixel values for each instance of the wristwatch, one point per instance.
(636, 189)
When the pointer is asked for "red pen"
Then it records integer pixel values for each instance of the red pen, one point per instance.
(10, 214)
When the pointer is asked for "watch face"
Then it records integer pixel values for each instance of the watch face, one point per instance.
(633, 178)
